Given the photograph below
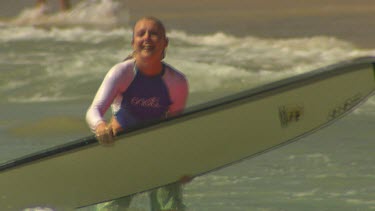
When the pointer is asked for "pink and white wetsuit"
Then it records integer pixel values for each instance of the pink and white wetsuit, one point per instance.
(136, 98)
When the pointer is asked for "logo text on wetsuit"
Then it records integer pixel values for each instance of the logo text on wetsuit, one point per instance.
(152, 102)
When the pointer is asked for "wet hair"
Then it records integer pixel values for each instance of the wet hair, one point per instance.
(160, 25)
(156, 20)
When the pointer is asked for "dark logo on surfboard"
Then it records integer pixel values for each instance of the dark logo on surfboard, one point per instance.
(290, 114)
(346, 106)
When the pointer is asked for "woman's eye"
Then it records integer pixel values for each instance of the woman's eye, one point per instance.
(140, 34)
(149, 33)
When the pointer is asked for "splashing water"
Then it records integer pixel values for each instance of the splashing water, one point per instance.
(96, 13)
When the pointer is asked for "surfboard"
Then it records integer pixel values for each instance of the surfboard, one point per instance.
(203, 139)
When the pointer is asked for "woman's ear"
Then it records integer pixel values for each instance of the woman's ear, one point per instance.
(132, 42)
(166, 41)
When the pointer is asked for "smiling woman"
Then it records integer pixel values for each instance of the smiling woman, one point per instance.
(142, 76)
(141, 89)
(149, 44)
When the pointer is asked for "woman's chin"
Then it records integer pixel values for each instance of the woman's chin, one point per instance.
(144, 55)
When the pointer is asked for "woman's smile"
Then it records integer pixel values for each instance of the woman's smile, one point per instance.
(148, 47)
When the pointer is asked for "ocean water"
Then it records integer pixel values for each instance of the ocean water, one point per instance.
(51, 66)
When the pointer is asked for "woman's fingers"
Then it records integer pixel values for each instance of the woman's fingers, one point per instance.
(104, 134)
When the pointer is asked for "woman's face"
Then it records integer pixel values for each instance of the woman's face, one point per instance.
(149, 40)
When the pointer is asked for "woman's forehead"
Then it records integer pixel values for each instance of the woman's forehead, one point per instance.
(148, 24)
(145, 23)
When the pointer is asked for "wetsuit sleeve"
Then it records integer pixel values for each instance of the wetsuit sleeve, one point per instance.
(111, 87)
(179, 90)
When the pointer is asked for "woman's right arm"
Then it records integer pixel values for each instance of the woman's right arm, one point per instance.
(114, 84)
(103, 99)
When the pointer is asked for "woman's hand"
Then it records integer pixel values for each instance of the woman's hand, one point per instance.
(104, 134)
(185, 179)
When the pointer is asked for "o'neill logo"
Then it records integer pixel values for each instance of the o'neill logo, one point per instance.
(290, 113)
(152, 102)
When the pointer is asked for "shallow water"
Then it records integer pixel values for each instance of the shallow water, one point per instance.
(49, 75)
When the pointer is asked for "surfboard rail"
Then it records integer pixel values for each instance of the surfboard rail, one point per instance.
(206, 137)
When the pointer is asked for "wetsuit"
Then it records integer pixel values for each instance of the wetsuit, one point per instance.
(136, 98)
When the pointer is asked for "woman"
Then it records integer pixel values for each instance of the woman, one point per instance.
(141, 89)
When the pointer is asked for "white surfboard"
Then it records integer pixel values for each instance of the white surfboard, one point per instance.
(203, 139)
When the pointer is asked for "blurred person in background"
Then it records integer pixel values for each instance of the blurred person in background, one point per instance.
(64, 4)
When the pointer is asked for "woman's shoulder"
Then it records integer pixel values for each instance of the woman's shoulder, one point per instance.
(123, 68)
(172, 72)
(125, 65)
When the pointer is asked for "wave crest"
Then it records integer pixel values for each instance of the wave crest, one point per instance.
(106, 13)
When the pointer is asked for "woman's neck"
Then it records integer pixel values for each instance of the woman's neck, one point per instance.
(149, 68)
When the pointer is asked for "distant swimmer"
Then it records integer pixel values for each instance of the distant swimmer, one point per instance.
(64, 4)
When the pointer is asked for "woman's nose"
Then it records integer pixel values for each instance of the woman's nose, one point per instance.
(147, 35)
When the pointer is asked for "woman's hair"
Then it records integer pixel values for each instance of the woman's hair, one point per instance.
(156, 20)
(129, 57)
(160, 25)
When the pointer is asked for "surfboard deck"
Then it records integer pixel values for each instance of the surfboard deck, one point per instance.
(203, 139)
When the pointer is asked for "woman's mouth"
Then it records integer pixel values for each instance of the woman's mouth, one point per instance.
(148, 47)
